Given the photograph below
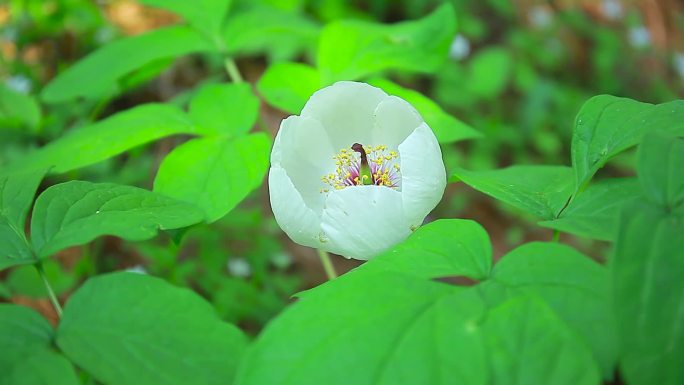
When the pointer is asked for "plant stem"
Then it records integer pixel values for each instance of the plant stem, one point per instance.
(233, 71)
(556, 236)
(327, 264)
(48, 287)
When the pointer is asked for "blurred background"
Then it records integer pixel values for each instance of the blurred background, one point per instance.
(518, 71)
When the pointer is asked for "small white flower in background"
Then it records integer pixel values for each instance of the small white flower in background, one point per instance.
(540, 16)
(639, 37)
(678, 63)
(612, 9)
(460, 48)
(239, 267)
(19, 83)
(138, 269)
(356, 172)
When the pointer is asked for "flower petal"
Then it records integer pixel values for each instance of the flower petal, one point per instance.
(298, 221)
(302, 148)
(395, 120)
(346, 111)
(363, 221)
(423, 177)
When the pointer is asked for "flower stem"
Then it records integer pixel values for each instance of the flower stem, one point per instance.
(233, 71)
(556, 236)
(327, 264)
(48, 287)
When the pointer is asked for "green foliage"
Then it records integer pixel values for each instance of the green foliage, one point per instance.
(203, 15)
(28, 358)
(647, 266)
(214, 173)
(289, 85)
(18, 110)
(353, 49)
(224, 109)
(97, 75)
(489, 72)
(159, 333)
(76, 212)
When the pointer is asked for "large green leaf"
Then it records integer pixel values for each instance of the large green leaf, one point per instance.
(16, 194)
(447, 247)
(289, 85)
(538, 190)
(594, 212)
(224, 109)
(77, 212)
(661, 168)
(214, 173)
(203, 15)
(127, 328)
(574, 287)
(112, 136)
(607, 125)
(352, 49)
(262, 29)
(17, 109)
(447, 128)
(98, 74)
(27, 357)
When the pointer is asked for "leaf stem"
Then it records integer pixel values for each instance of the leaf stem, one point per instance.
(327, 264)
(48, 287)
(556, 236)
(233, 71)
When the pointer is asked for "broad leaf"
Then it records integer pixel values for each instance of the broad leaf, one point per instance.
(607, 125)
(127, 328)
(447, 128)
(574, 287)
(661, 168)
(77, 212)
(447, 247)
(17, 109)
(14, 249)
(262, 29)
(647, 269)
(289, 85)
(352, 49)
(203, 15)
(537, 190)
(27, 356)
(102, 140)
(594, 212)
(214, 173)
(98, 74)
(224, 109)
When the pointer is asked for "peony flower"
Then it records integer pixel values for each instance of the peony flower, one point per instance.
(356, 172)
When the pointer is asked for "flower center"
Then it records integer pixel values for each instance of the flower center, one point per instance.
(364, 165)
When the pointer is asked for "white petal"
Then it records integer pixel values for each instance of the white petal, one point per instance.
(363, 221)
(423, 177)
(346, 111)
(395, 120)
(302, 148)
(298, 221)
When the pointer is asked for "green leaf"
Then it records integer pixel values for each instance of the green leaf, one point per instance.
(390, 328)
(214, 173)
(661, 158)
(447, 128)
(224, 109)
(288, 86)
(98, 74)
(647, 269)
(17, 109)
(529, 345)
(263, 29)
(204, 15)
(447, 247)
(25, 281)
(594, 212)
(489, 72)
(107, 138)
(574, 287)
(607, 125)
(538, 190)
(127, 328)
(77, 212)
(16, 195)
(352, 49)
(28, 359)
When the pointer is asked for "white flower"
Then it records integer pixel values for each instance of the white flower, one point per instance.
(325, 196)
